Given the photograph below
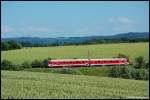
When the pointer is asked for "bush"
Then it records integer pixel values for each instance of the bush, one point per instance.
(26, 65)
(115, 72)
(129, 73)
(147, 65)
(45, 62)
(37, 64)
(69, 71)
(122, 56)
(126, 72)
(6, 65)
(134, 73)
(139, 62)
(17, 67)
(143, 74)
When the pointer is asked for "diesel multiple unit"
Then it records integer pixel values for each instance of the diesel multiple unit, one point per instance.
(86, 62)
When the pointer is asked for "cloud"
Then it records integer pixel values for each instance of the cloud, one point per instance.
(34, 29)
(121, 20)
(6, 29)
(111, 20)
(122, 24)
(87, 31)
(125, 20)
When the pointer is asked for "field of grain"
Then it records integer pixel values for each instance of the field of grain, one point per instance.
(96, 51)
(18, 84)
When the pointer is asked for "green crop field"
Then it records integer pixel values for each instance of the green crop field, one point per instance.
(96, 51)
(38, 85)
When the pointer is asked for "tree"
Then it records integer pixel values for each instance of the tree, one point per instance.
(26, 65)
(5, 46)
(37, 64)
(147, 65)
(14, 45)
(124, 56)
(6, 65)
(26, 44)
(139, 62)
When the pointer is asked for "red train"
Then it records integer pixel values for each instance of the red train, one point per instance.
(86, 62)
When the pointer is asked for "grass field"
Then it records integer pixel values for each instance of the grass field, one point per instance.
(19, 84)
(96, 51)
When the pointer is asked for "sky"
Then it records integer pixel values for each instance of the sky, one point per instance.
(73, 18)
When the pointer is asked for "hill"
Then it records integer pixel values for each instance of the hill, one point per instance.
(71, 40)
(96, 51)
(35, 85)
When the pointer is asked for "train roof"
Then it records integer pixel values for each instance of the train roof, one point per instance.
(90, 59)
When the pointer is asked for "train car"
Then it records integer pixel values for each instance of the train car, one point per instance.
(86, 62)
(115, 61)
(68, 62)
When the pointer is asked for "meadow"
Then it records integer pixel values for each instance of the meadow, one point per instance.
(63, 52)
(38, 85)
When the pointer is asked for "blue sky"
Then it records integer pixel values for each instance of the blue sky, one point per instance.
(73, 18)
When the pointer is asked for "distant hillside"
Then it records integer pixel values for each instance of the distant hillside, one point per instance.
(62, 40)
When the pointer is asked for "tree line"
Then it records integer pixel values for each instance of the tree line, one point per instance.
(12, 44)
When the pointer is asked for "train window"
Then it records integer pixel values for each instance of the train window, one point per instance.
(92, 61)
(116, 61)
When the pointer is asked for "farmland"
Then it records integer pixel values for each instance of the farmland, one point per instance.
(18, 84)
(96, 51)
(40, 83)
